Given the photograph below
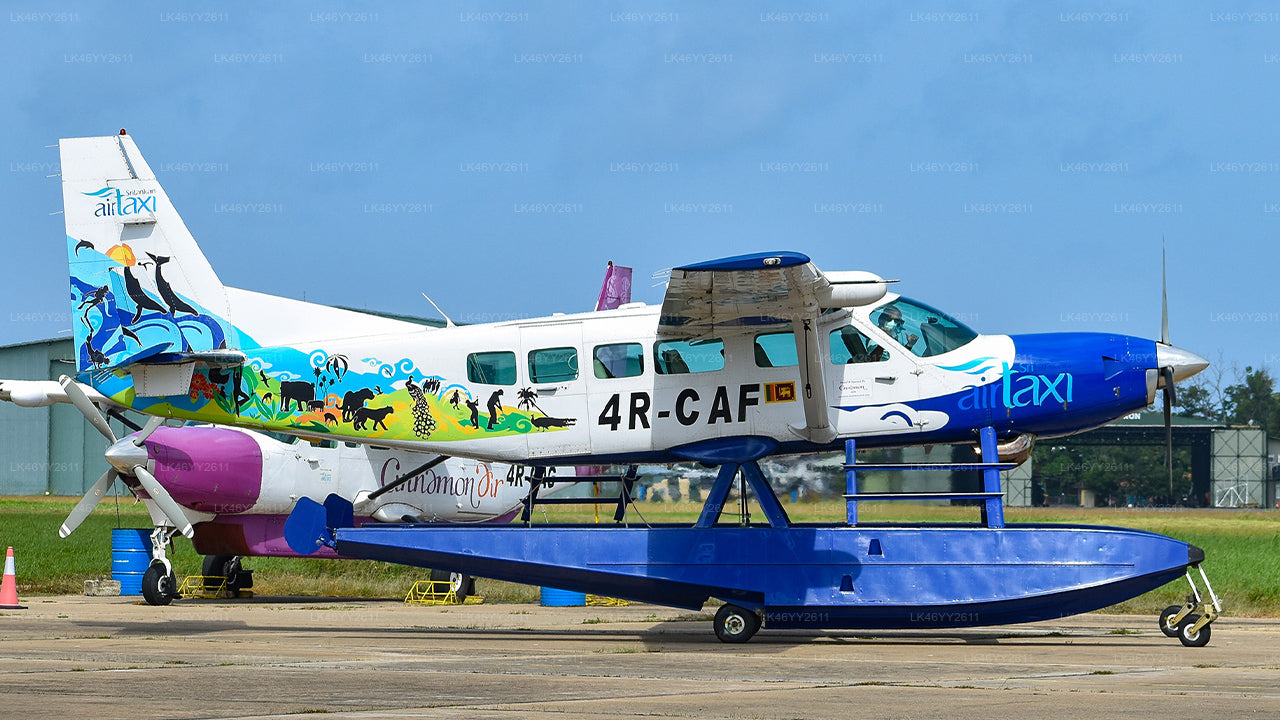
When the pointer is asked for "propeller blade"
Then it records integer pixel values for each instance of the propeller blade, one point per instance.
(87, 503)
(86, 407)
(152, 423)
(1164, 297)
(164, 500)
(1169, 399)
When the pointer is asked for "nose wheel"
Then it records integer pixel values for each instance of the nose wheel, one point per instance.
(1194, 631)
(1190, 622)
(159, 586)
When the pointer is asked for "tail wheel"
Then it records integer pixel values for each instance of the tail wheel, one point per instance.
(461, 584)
(159, 586)
(1166, 620)
(734, 624)
(1199, 638)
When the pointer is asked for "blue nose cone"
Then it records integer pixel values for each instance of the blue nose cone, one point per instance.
(1062, 383)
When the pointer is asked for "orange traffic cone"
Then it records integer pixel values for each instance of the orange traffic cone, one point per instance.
(9, 590)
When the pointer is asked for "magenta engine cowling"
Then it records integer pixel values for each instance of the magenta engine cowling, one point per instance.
(214, 470)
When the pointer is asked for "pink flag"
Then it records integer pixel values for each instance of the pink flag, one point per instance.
(616, 289)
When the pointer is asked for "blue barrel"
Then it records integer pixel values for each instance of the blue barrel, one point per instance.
(130, 558)
(552, 597)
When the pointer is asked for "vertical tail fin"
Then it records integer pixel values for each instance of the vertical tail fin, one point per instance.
(140, 286)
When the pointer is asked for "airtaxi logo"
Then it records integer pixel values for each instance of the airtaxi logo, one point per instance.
(1020, 390)
(113, 202)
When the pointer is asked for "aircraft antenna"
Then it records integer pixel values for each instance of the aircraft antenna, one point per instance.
(1164, 295)
(447, 322)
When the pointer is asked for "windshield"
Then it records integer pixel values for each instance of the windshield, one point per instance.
(921, 329)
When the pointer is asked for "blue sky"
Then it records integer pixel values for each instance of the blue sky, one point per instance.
(1014, 164)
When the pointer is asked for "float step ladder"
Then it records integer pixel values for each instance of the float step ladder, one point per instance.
(992, 496)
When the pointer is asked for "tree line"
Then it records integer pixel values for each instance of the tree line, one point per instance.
(1124, 475)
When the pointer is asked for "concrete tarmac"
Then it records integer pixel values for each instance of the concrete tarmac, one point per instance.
(268, 657)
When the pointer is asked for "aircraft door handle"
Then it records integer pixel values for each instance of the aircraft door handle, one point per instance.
(887, 379)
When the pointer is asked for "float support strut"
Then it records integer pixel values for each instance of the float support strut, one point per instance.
(992, 508)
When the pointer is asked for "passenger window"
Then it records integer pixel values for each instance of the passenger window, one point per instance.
(776, 350)
(678, 357)
(553, 365)
(619, 360)
(492, 368)
(849, 345)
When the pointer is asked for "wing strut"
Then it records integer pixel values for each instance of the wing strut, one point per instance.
(813, 387)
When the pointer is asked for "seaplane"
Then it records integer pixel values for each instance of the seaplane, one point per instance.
(747, 356)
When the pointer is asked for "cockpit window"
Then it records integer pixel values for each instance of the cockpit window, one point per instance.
(921, 329)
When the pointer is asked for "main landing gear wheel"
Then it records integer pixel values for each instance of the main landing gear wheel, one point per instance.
(229, 569)
(1167, 625)
(214, 569)
(159, 586)
(1198, 638)
(736, 625)
(462, 585)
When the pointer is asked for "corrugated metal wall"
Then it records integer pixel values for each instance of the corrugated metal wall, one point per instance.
(1239, 467)
(50, 449)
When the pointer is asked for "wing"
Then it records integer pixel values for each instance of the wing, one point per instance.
(760, 290)
(781, 290)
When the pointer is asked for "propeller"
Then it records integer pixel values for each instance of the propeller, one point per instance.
(128, 457)
(1166, 371)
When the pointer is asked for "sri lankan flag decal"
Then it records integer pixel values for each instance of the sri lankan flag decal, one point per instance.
(779, 392)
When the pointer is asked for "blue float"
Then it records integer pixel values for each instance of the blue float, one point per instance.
(785, 575)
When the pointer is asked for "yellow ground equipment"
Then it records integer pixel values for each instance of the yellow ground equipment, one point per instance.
(209, 587)
(437, 592)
